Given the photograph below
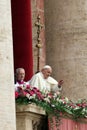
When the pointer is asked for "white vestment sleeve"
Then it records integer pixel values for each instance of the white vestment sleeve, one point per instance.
(54, 84)
(34, 82)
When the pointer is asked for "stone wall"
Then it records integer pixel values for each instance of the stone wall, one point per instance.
(7, 100)
(66, 42)
(38, 8)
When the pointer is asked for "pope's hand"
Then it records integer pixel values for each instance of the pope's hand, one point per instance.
(60, 82)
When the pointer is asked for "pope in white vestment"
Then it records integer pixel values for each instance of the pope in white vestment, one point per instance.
(44, 83)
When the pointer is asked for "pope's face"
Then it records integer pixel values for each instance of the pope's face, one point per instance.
(21, 75)
(47, 72)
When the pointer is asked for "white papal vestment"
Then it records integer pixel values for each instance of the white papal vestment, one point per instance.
(49, 84)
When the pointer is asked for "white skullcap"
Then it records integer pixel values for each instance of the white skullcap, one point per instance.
(47, 67)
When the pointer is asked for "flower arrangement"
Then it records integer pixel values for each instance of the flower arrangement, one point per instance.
(52, 103)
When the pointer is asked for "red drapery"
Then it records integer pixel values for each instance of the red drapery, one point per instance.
(22, 35)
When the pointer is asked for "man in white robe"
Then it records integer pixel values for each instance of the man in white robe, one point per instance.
(44, 82)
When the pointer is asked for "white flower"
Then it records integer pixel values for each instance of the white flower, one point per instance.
(66, 99)
(76, 108)
(61, 101)
(47, 100)
(28, 95)
(57, 99)
(55, 95)
(33, 96)
(53, 105)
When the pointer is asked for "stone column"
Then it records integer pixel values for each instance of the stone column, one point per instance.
(66, 40)
(7, 100)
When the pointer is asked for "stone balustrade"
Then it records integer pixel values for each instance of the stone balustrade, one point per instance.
(30, 117)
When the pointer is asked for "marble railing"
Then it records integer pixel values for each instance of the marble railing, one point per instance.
(30, 117)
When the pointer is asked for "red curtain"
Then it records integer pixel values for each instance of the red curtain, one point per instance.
(22, 35)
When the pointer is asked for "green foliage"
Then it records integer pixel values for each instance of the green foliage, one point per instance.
(55, 104)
